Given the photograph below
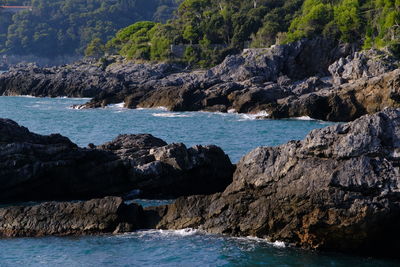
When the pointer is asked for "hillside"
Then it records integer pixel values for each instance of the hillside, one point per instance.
(208, 30)
(65, 27)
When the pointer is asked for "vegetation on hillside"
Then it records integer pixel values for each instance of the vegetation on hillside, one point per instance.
(369, 23)
(200, 25)
(210, 29)
(65, 27)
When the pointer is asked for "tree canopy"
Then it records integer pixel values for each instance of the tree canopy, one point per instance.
(66, 27)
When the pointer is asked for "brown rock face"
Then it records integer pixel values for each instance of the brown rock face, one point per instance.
(95, 216)
(339, 189)
(346, 102)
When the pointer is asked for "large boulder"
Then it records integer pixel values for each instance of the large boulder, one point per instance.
(338, 189)
(52, 167)
(107, 215)
(36, 167)
(159, 170)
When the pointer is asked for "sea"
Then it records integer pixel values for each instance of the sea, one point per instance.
(236, 134)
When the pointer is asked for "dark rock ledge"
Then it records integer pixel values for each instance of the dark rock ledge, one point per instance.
(35, 167)
(95, 216)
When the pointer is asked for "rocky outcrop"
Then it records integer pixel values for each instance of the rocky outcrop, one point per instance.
(97, 216)
(297, 60)
(158, 169)
(81, 79)
(338, 189)
(282, 81)
(224, 87)
(36, 167)
(346, 102)
(314, 78)
(364, 64)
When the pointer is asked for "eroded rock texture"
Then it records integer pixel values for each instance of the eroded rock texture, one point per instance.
(95, 216)
(338, 189)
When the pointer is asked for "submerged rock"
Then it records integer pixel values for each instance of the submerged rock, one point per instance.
(338, 189)
(107, 215)
(36, 167)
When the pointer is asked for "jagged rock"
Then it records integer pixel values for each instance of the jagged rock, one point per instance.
(310, 85)
(81, 79)
(52, 167)
(297, 60)
(283, 81)
(35, 167)
(107, 215)
(364, 64)
(338, 189)
(344, 103)
(154, 85)
(160, 170)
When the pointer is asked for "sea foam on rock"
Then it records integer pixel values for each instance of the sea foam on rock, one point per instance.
(338, 189)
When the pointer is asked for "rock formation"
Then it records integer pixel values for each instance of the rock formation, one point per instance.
(338, 189)
(314, 78)
(35, 167)
(95, 216)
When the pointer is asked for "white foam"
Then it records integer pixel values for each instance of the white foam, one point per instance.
(191, 232)
(182, 232)
(76, 107)
(232, 110)
(171, 115)
(255, 116)
(117, 106)
(278, 244)
(75, 98)
(155, 108)
(304, 118)
(28, 96)
(164, 233)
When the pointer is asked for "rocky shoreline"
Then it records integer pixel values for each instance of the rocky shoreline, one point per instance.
(314, 78)
(338, 189)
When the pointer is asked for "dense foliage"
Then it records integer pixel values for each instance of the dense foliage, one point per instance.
(210, 29)
(65, 27)
(369, 23)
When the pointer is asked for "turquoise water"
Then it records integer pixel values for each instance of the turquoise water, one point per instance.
(236, 134)
(165, 248)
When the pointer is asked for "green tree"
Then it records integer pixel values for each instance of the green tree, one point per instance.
(95, 48)
(347, 18)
